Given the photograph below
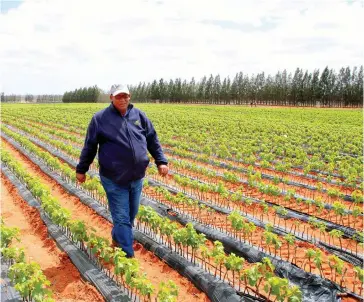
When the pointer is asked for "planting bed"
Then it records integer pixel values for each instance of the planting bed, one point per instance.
(66, 282)
(277, 184)
(156, 270)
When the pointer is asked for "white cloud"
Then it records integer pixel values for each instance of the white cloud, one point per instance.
(55, 45)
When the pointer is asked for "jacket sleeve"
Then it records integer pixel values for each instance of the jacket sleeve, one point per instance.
(154, 146)
(89, 149)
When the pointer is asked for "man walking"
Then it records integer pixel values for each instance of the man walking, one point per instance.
(124, 135)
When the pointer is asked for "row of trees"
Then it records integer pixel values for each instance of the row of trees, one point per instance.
(30, 98)
(303, 88)
(82, 95)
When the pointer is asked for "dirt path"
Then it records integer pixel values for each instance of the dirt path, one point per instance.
(156, 270)
(66, 281)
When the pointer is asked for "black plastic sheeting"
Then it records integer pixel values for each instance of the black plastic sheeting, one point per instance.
(44, 145)
(8, 292)
(283, 268)
(313, 287)
(282, 157)
(346, 197)
(326, 206)
(270, 177)
(223, 165)
(345, 255)
(348, 232)
(51, 149)
(215, 289)
(106, 286)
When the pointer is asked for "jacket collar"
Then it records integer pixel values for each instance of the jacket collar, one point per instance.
(112, 107)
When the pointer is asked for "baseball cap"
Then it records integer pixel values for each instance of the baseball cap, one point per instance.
(119, 88)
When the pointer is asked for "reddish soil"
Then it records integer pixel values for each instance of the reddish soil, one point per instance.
(57, 127)
(350, 244)
(279, 200)
(299, 170)
(299, 190)
(219, 220)
(305, 192)
(302, 191)
(72, 157)
(83, 213)
(301, 179)
(66, 282)
(210, 266)
(156, 269)
(325, 272)
(257, 211)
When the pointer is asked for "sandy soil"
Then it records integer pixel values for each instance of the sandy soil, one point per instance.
(156, 269)
(301, 259)
(66, 281)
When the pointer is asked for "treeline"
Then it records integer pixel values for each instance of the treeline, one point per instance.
(82, 95)
(303, 88)
(30, 98)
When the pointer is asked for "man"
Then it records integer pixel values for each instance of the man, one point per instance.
(124, 134)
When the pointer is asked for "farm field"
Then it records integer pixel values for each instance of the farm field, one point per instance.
(260, 204)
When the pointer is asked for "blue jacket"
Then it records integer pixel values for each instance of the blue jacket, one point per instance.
(123, 144)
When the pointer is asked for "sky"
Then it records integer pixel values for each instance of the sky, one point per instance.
(53, 46)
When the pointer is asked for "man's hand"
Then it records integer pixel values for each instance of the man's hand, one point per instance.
(163, 170)
(81, 177)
